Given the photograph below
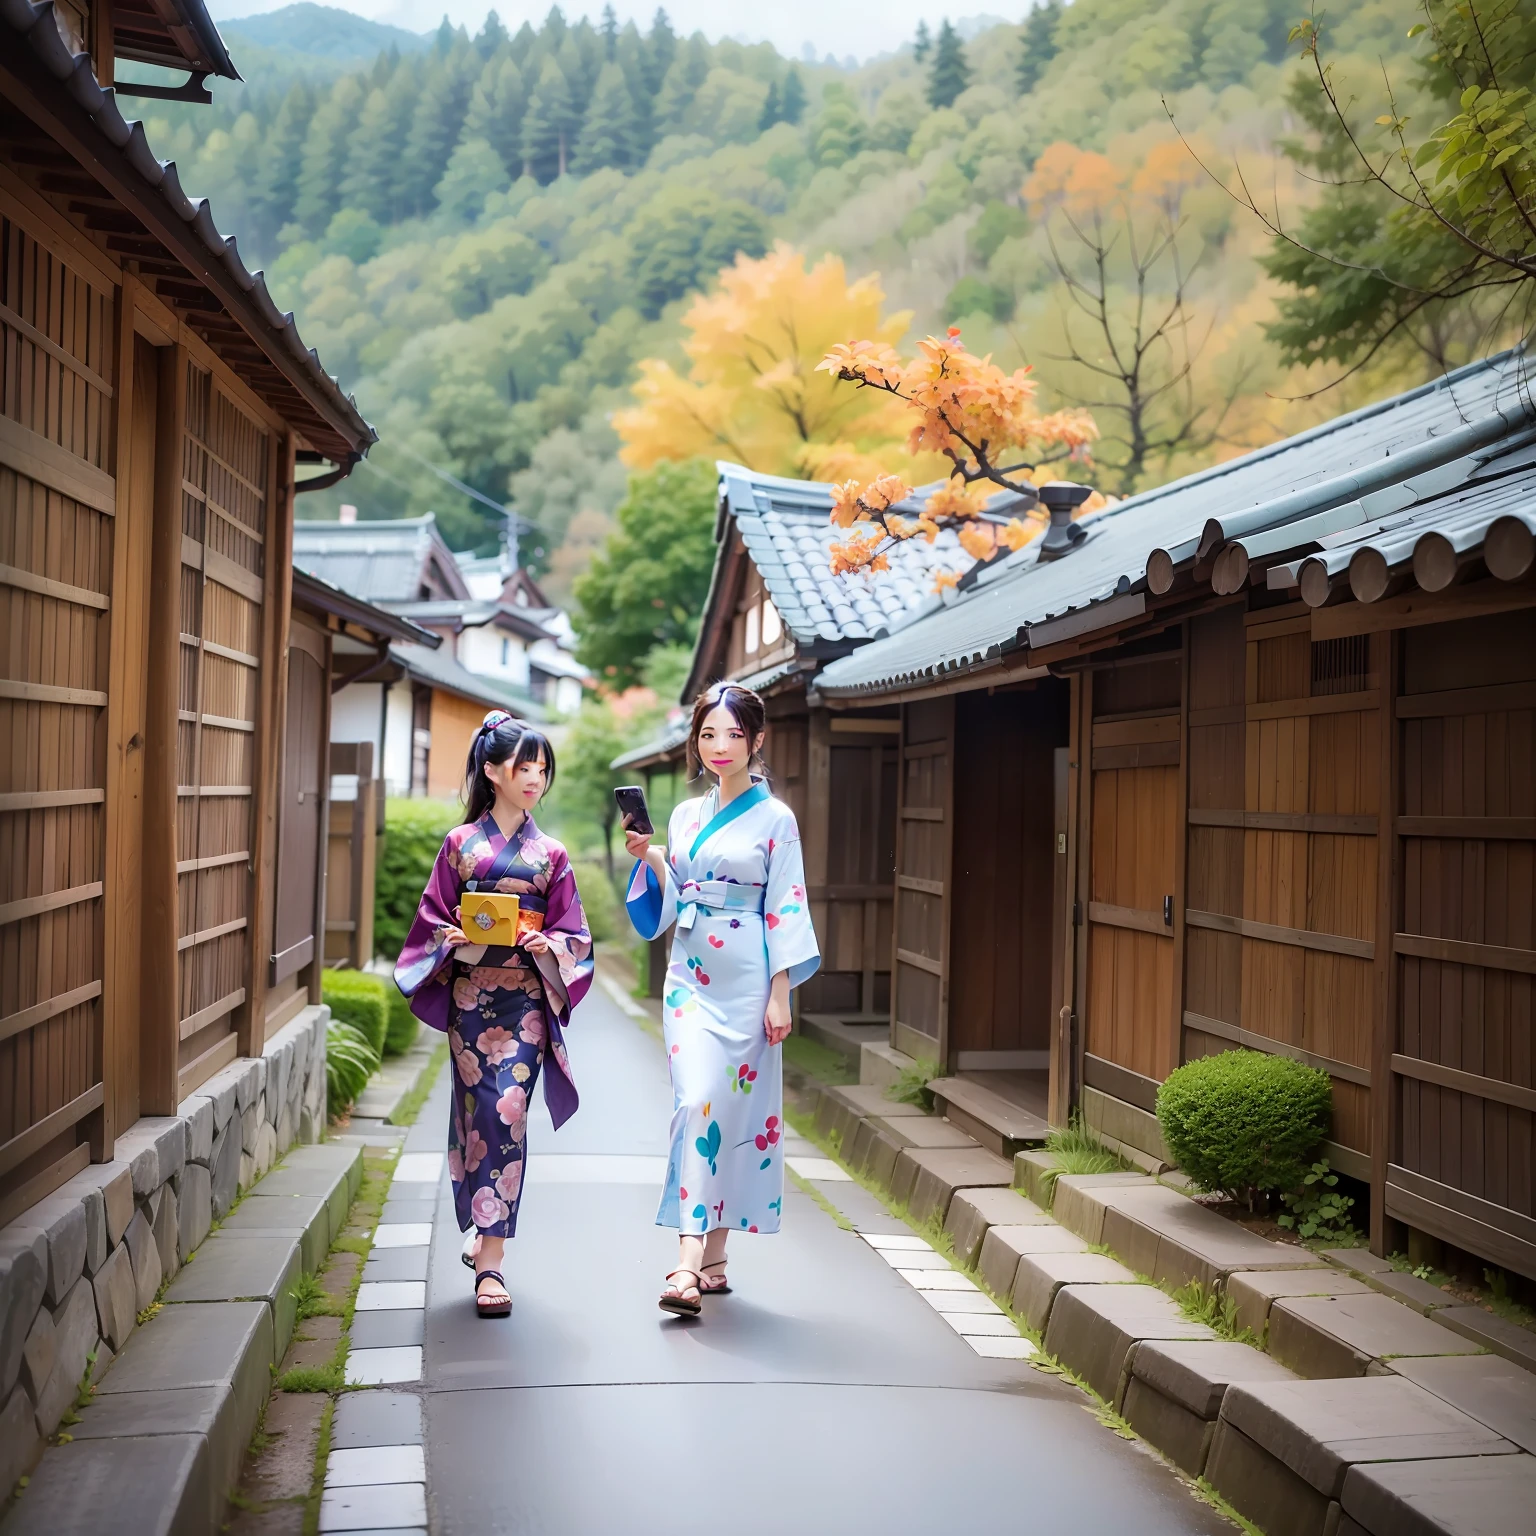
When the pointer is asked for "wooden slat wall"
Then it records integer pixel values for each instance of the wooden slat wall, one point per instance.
(56, 560)
(1467, 723)
(925, 811)
(1133, 811)
(226, 468)
(452, 725)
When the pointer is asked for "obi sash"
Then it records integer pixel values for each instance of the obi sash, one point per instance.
(719, 896)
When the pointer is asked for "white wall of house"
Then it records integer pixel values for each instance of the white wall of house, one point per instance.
(356, 715)
(397, 740)
(492, 652)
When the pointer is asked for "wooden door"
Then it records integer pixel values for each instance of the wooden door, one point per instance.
(1001, 912)
(920, 952)
(300, 820)
(1133, 817)
(1463, 1166)
(352, 846)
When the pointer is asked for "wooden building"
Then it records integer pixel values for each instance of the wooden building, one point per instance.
(153, 406)
(1294, 811)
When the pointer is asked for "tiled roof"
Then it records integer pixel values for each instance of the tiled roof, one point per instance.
(381, 561)
(470, 613)
(659, 749)
(323, 596)
(439, 670)
(1020, 601)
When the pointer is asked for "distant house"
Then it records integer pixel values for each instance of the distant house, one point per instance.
(419, 707)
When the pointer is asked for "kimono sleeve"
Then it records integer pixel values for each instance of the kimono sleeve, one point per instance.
(568, 966)
(422, 972)
(791, 938)
(651, 904)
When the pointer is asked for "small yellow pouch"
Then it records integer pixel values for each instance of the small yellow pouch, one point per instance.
(490, 918)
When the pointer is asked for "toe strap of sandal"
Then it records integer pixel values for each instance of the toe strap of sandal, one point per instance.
(693, 1284)
(490, 1274)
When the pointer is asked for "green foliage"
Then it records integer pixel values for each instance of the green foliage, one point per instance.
(1076, 1149)
(360, 999)
(349, 1062)
(647, 586)
(817, 1060)
(1319, 1209)
(413, 835)
(1037, 45)
(1202, 1303)
(949, 74)
(1244, 1122)
(403, 1027)
(911, 1085)
(975, 296)
(686, 235)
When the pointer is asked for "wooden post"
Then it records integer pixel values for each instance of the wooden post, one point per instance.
(1082, 862)
(362, 859)
(159, 986)
(901, 792)
(1386, 663)
(277, 596)
(815, 833)
(1175, 1053)
(323, 840)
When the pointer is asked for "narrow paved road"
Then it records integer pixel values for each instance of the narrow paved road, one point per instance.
(824, 1395)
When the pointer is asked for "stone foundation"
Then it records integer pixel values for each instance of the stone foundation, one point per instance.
(78, 1267)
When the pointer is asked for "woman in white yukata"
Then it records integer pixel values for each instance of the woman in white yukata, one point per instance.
(732, 879)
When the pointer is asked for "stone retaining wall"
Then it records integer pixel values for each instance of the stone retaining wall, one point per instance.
(77, 1268)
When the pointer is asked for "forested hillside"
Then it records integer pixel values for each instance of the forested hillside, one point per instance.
(486, 236)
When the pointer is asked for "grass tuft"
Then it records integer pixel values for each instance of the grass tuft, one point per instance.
(911, 1086)
(1202, 1303)
(1077, 1150)
(410, 1106)
(312, 1378)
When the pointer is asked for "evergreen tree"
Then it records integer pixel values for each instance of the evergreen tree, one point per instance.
(771, 110)
(632, 60)
(496, 111)
(922, 42)
(580, 72)
(793, 108)
(554, 29)
(610, 31)
(523, 43)
(548, 125)
(372, 178)
(689, 71)
(493, 36)
(949, 74)
(436, 125)
(277, 176)
(1037, 45)
(840, 127)
(608, 134)
(324, 158)
(660, 49)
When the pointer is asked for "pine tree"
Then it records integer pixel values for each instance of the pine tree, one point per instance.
(496, 111)
(610, 31)
(793, 108)
(523, 43)
(436, 125)
(607, 136)
(277, 178)
(632, 60)
(771, 111)
(949, 75)
(492, 37)
(548, 125)
(579, 69)
(1037, 45)
(660, 49)
(922, 42)
(372, 178)
(689, 71)
(324, 157)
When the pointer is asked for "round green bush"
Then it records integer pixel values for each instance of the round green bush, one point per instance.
(404, 1026)
(361, 1000)
(1245, 1122)
(349, 1062)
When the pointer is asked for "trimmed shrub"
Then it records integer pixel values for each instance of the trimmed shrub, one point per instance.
(404, 1026)
(361, 1000)
(349, 1062)
(413, 835)
(1244, 1122)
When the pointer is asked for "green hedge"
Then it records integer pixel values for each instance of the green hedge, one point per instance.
(1245, 1122)
(413, 834)
(403, 1024)
(361, 1000)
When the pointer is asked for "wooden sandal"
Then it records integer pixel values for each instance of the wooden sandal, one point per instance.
(673, 1300)
(466, 1258)
(489, 1306)
(715, 1285)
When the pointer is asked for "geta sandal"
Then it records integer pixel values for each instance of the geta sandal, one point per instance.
(673, 1300)
(487, 1306)
(714, 1285)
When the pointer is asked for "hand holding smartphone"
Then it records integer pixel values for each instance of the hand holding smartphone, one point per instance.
(633, 814)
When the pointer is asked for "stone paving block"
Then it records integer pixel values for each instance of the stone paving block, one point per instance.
(75, 1335)
(1030, 1170)
(1264, 1489)
(61, 1220)
(1319, 1429)
(1196, 1374)
(304, 1217)
(1075, 1207)
(1466, 1496)
(867, 1099)
(154, 1485)
(376, 1418)
(362, 1465)
(1358, 1261)
(1327, 1336)
(1183, 1437)
(381, 1507)
(1423, 1297)
(1092, 1329)
(329, 1156)
(330, 1184)
(923, 1131)
(1496, 1334)
(874, 1153)
(972, 1211)
(23, 1277)
(145, 1253)
(395, 1329)
(116, 1297)
(1041, 1275)
(1002, 1248)
(234, 1266)
(1255, 1291)
(1491, 1390)
(396, 1264)
(939, 1172)
(406, 1210)
(194, 1209)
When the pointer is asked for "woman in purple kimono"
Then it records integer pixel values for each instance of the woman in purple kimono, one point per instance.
(502, 1008)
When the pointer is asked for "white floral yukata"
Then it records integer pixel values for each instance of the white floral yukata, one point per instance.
(736, 889)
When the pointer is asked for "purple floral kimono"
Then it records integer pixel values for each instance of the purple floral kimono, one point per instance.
(500, 1007)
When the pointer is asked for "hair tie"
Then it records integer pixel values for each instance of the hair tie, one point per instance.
(493, 719)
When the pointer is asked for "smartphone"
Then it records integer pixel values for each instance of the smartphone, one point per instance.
(632, 809)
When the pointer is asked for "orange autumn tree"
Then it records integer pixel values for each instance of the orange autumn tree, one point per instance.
(982, 421)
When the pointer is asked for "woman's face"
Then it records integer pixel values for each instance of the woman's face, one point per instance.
(523, 785)
(723, 745)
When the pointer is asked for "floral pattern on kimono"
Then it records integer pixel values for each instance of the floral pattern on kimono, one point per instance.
(502, 1009)
(735, 887)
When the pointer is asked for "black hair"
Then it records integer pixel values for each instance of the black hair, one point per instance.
(502, 739)
(743, 706)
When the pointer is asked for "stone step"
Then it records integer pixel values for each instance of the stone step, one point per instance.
(972, 1211)
(1000, 1125)
(1464, 1496)
(1255, 1292)
(240, 1266)
(925, 1180)
(1041, 1276)
(880, 1064)
(1329, 1336)
(153, 1485)
(840, 1110)
(1484, 1387)
(1003, 1247)
(846, 1034)
(306, 1218)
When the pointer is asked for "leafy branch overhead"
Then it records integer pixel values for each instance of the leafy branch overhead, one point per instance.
(976, 416)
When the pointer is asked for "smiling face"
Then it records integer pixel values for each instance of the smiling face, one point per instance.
(723, 746)
(522, 786)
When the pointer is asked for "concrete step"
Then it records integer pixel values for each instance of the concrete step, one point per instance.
(1468, 1496)
(153, 1485)
(925, 1180)
(1093, 1329)
(1040, 1277)
(253, 1266)
(1484, 1387)
(847, 1034)
(1000, 1125)
(305, 1218)
(972, 1211)
(1255, 1292)
(1320, 1337)
(1003, 1247)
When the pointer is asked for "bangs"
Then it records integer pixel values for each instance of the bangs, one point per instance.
(531, 746)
